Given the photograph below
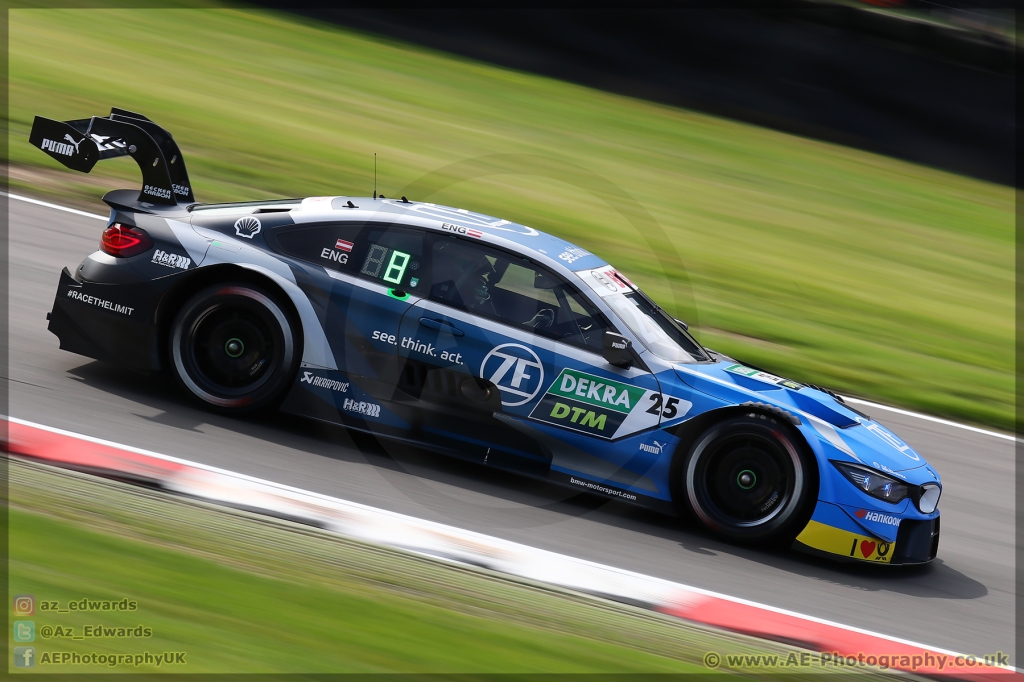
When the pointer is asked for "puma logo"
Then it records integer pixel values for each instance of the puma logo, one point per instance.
(67, 136)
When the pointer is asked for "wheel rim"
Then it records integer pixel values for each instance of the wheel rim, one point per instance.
(232, 347)
(229, 348)
(743, 480)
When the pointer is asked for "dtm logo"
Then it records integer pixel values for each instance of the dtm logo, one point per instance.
(516, 370)
(247, 227)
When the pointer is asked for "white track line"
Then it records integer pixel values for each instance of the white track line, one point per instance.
(858, 401)
(918, 415)
(30, 200)
(480, 537)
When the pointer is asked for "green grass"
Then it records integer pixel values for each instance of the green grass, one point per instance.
(242, 593)
(863, 273)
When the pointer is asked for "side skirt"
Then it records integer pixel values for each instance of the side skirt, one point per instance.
(298, 404)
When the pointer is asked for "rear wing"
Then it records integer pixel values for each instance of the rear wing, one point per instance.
(80, 144)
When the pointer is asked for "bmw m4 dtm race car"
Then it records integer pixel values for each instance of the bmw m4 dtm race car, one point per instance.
(478, 338)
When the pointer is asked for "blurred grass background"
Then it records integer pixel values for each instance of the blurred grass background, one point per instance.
(869, 275)
(241, 593)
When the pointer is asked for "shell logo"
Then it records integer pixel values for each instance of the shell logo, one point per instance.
(247, 227)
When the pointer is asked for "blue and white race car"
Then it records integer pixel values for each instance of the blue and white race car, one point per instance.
(478, 338)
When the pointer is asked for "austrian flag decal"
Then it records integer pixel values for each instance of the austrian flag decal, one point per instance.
(459, 229)
(344, 245)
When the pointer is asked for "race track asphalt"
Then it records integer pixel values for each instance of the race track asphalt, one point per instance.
(963, 601)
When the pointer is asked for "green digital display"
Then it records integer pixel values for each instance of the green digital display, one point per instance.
(397, 263)
(396, 268)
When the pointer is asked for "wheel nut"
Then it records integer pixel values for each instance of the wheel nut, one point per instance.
(746, 479)
(234, 348)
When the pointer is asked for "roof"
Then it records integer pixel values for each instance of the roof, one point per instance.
(530, 242)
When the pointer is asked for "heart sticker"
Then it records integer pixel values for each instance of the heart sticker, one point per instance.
(866, 548)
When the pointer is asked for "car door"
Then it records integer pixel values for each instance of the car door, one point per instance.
(523, 350)
(362, 277)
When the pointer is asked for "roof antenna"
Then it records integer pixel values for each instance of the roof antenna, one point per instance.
(375, 175)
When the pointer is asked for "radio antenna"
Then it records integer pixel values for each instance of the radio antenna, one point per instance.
(375, 175)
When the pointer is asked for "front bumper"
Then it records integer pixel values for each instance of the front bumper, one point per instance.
(917, 542)
(109, 322)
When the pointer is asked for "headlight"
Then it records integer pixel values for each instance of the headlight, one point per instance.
(875, 484)
(929, 498)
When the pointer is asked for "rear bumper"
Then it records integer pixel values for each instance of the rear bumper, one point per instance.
(109, 322)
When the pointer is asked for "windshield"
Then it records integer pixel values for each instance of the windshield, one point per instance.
(655, 328)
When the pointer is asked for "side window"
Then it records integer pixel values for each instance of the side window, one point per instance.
(393, 256)
(332, 245)
(512, 290)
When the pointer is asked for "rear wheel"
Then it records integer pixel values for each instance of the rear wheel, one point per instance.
(749, 479)
(234, 348)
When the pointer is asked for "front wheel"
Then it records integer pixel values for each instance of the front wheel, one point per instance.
(234, 348)
(749, 478)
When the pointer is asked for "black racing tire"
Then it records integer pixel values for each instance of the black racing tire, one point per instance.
(234, 347)
(750, 479)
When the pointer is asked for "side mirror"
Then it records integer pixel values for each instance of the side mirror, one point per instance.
(682, 324)
(618, 350)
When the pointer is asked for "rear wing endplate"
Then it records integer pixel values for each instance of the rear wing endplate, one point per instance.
(80, 144)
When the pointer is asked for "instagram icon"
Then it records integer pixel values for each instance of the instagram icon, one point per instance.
(24, 605)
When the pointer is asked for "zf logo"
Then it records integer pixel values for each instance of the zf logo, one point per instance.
(516, 371)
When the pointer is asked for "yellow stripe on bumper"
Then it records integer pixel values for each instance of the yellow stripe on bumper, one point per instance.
(837, 541)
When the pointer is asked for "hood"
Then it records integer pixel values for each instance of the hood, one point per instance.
(849, 431)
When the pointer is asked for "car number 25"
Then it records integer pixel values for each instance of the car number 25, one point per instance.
(668, 410)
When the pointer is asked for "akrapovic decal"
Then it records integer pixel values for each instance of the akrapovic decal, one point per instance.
(324, 382)
(603, 407)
